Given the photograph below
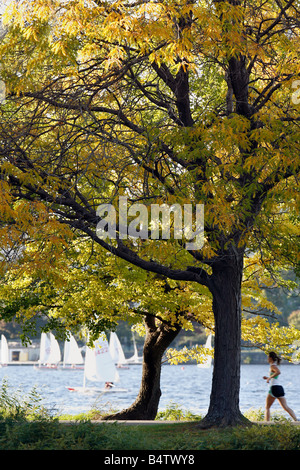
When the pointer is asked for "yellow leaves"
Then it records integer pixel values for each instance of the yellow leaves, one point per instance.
(44, 10)
(30, 33)
(28, 16)
(208, 251)
(59, 48)
(139, 328)
(162, 29)
(36, 237)
(270, 336)
(14, 12)
(114, 58)
(196, 353)
(230, 135)
(148, 26)
(256, 330)
(6, 210)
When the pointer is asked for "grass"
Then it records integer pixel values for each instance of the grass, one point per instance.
(54, 435)
(26, 425)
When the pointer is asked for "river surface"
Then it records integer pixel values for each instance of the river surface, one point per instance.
(187, 387)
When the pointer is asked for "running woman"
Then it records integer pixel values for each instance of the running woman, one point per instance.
(276, 390)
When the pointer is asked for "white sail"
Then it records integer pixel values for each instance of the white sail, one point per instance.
(116, 350)
(45, 348)
(4, 356)
(55, 355)
(72, 354)
(208, 345)
(135, 359)
(99, 365)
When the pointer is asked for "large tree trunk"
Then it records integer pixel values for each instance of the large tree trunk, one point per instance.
(157, 340)
(226, 289)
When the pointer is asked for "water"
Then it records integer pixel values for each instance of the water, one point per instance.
(188, 387)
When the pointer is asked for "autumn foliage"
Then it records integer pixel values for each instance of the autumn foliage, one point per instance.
(164, 102)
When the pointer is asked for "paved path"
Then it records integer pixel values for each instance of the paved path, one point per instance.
(145, 422)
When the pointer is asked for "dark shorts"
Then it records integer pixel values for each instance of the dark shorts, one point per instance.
(276, 391)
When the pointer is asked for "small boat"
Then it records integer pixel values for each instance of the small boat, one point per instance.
(72, 356)
(116, 351)
(50, 355)
(208, 362)
(135, 359)
(4, 355)
(99, 367)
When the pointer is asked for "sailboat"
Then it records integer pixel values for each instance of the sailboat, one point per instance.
(50, 355)
(72, 355)
(4, 356)
(208, 362)
(99, 367)
(116, 351)
(135, 359)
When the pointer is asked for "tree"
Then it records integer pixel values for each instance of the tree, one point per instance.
(176, 103)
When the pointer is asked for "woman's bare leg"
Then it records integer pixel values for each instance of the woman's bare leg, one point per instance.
(283, 403)
(269, 401)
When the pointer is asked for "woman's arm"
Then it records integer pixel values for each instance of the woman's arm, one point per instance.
(275, 373)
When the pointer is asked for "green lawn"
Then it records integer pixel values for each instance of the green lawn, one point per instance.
(53, 435)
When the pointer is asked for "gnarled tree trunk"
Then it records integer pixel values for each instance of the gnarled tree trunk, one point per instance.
(157, 340)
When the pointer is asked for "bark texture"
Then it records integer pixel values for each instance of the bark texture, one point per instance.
(157, 340)
(226, 289)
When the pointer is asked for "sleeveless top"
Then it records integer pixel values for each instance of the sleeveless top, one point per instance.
(274, 380)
